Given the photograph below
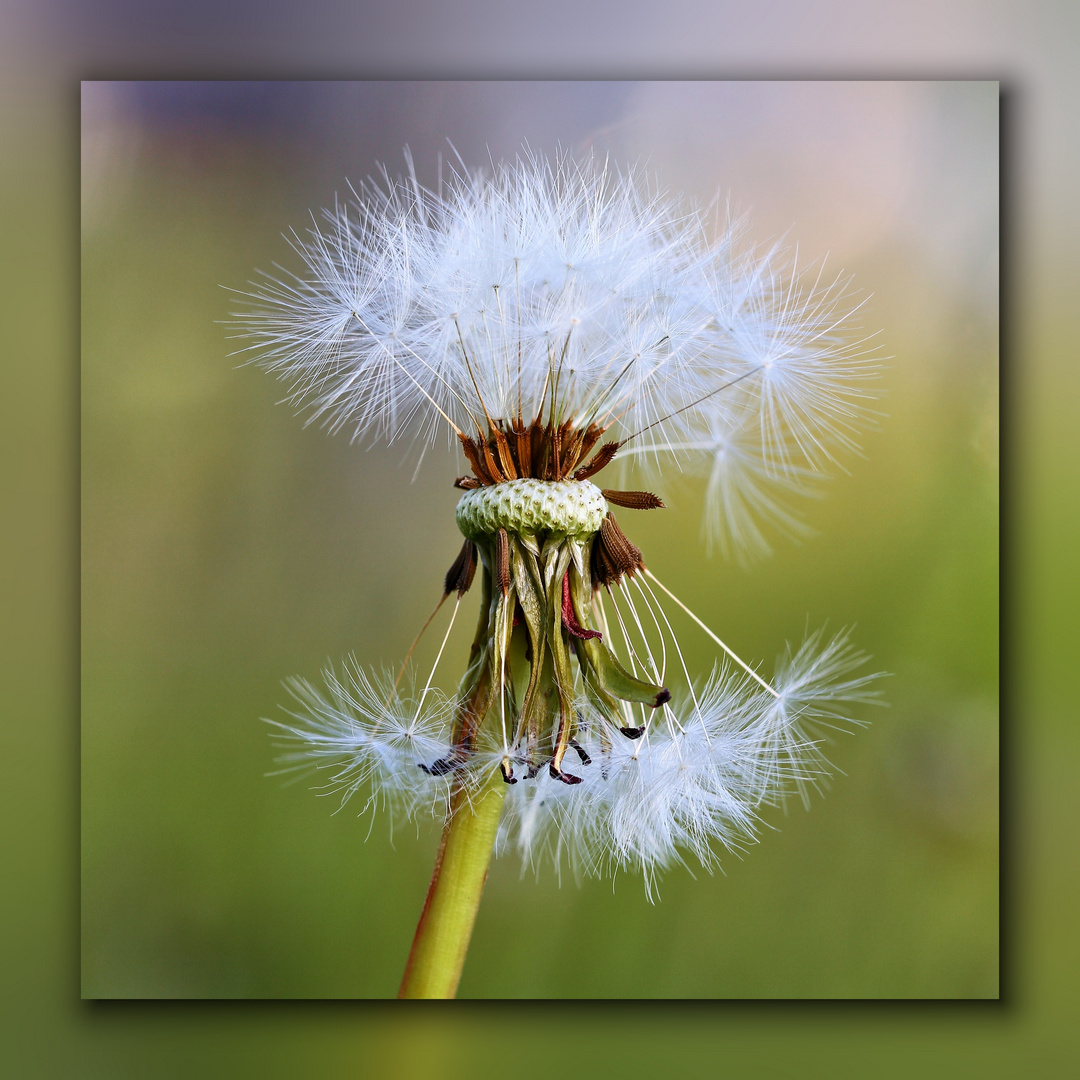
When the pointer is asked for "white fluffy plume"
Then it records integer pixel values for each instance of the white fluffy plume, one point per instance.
(419, 310)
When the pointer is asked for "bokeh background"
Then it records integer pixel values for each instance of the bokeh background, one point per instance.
(48, 47)
(225, 546)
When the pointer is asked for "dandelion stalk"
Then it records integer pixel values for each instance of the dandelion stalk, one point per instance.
(446, 923)
(558, 318)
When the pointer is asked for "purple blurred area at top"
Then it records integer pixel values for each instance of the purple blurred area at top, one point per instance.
(251, 107)
(328, 131)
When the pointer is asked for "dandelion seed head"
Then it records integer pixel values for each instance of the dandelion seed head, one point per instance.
(555, 316)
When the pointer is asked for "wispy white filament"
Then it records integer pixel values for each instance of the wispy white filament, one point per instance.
(361, 735)
(746, 667)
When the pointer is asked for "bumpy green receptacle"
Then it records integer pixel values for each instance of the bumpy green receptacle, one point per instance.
(569, 508)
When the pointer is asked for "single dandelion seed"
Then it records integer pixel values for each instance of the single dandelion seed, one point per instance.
(551, 318)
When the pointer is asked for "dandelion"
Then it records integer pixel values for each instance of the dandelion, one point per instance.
(551, 319)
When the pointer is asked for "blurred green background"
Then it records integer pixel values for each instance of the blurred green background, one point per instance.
(47, 1031)
(225, 546)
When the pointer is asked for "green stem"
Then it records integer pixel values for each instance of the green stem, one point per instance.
(446, 923)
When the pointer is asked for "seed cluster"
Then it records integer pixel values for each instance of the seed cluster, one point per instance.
(543, 451)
